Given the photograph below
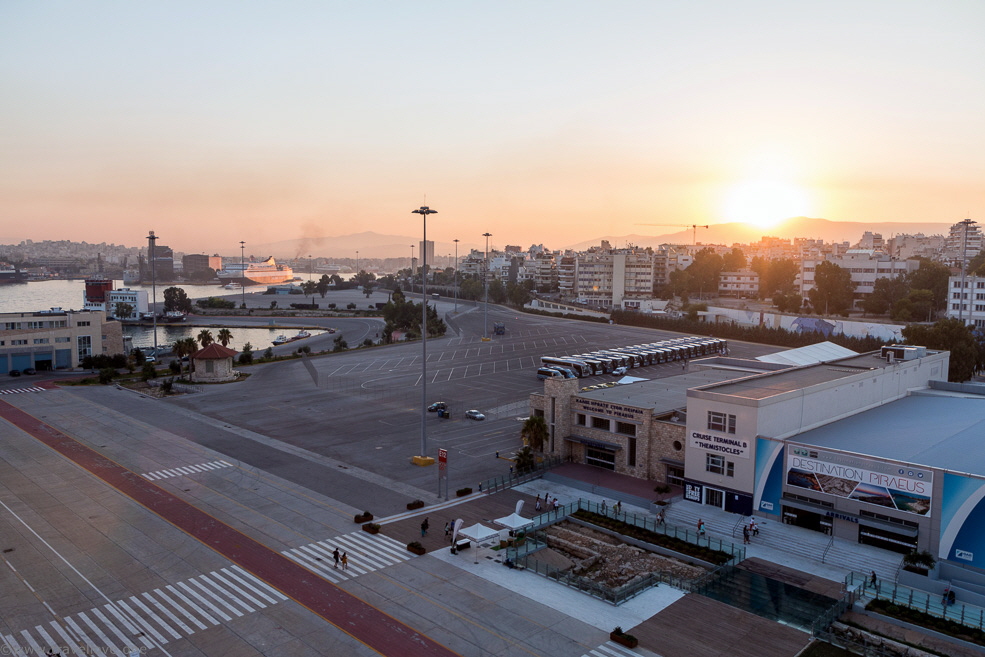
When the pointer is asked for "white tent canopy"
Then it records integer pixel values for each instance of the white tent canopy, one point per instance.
(479, 532)
(514, 521)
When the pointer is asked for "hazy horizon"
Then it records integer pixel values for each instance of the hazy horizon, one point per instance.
(546, 122)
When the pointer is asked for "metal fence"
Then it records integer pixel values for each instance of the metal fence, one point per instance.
(932, 604)
(515, 478)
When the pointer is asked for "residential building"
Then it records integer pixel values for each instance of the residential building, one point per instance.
(198, 263)
(963, 242)
(743, 284)
(967, 304)
(865, 266)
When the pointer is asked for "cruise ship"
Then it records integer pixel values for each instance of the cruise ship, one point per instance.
(267, 272)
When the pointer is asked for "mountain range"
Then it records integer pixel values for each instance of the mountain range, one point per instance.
(374, 245)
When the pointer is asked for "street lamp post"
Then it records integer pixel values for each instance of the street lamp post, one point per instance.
(242, 262)
(357, 263)
(456, 275)
(153, 286)
(411, 267)
(485, 278)
(311, 266)
(424, 211)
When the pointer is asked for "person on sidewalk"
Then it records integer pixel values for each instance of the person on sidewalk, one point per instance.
(745, 535)
(753, 526)
(424, 528)
(873, 580)
(537, 506)
(345, 561)
(701, 527)
(335, 555)
(447, 528)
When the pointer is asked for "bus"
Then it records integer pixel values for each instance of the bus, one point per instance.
(580, 368)
(548, 373)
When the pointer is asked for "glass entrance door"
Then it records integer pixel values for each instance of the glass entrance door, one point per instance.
(714, 497)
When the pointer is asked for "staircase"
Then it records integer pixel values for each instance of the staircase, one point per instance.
(807, 550)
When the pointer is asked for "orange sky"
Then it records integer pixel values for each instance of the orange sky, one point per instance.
(543, 122)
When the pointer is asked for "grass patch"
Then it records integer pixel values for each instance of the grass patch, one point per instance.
(929, 621)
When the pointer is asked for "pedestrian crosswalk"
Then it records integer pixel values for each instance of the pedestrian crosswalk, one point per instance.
(154, 618)
(15, 391)
(185, 470)
(365, 553)
(139, 623)
(611, 649)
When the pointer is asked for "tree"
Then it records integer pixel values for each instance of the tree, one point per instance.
(734, 260)
(524, 460)
(122, 310)
(931, 276)
(886, 293)
(534, 432)
(976, 266)
(340, 344)
(224, 337)
(309, 288)
(175, 300)
(775, 276)
(205, 338)
(950, 335)
(833, 290)
(246, 356)
(182, 348)
(324, 284)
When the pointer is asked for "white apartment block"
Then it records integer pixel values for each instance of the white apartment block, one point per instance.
(963, 242)
(744, 284)
(968, 304)
(865, 267)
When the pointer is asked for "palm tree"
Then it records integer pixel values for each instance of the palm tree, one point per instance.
(205, 338)
(524, 460)
(534, 432)
(224, 337)
(184, 347)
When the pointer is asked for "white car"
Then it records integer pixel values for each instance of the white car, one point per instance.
(619, 371)
(474, 415)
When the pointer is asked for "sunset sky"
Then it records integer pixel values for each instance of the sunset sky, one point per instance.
(540, 122)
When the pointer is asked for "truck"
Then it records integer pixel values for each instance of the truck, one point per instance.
(499, 328)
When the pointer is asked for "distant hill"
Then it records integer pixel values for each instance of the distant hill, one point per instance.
(375, 245)
(730, 233)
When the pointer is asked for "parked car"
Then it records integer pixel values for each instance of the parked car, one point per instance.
(474, 415)
(619, 371)
(30, 370)
(437, 406)
(15, 372)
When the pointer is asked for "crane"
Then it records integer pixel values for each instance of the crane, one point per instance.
(695, 227)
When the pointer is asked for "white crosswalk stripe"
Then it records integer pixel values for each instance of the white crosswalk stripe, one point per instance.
(173, 612)
(17, 391)
(185, 470)
(611, 649)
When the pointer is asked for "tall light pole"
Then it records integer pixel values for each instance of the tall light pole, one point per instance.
(152, 238)
(485, 278)
(357, 263)
(424, 211)
(456, 275)
(242, 262)
(964, 266)
(311, 266)
(411, 267)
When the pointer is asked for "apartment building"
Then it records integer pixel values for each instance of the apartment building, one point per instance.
(56, 339)
(866, 266)
(967, 304)
(743, 284)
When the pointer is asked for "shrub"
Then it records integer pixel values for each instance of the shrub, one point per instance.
(106, 375)
(462, 492)
(416, 504)
(175, 367)
(148, 372)
(269, 353)
(167, 386)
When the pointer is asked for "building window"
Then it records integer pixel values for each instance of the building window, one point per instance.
(12, 326)
(626, 428)
(580, 420)
(85, 346)
(40, 340)
(82, 323)
(721, 422)
(65, 339)
(716, 464)
(631, 453)
(18, 342)
(601, 423)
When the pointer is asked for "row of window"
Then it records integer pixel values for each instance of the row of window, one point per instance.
(978, 284)
(979, 307)
(43, 324)
(721, 422)
(605, 424)
(19, 342)
(979, 296)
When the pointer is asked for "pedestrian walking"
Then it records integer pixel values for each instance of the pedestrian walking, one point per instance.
(617, 507)
(604, 508)
(424, 527)
(556, 505)
(745, 534)
(511, 472)
(335, 555)
(754, 526)
(660, 518)
(345, 561)
(537, 506)
(701, 527)
(873, 580)
(447, 528)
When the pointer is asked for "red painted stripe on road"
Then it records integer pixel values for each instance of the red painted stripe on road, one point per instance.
(353, 616)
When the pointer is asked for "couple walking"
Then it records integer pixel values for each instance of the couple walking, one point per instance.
(343, 559)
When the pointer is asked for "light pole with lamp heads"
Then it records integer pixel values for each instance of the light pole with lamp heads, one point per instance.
(242, 262)
(152, 238)
(485, 279)
(456, 275)
(424, 211)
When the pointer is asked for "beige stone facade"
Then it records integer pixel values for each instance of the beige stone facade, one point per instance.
(56, 339)
(627, 439)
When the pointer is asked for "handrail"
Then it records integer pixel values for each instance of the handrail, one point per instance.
(831, 542)
(738, 522)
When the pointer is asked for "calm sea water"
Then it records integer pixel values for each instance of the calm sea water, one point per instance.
(68, 295)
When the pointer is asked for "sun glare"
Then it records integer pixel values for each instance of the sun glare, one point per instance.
(765, 203)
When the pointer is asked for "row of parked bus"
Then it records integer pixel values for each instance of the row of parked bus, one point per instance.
(622, 359)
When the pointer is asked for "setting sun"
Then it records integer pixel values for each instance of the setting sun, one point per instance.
(765, 203)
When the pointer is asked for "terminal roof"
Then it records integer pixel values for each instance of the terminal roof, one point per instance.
(938, 432)
(661, 395)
